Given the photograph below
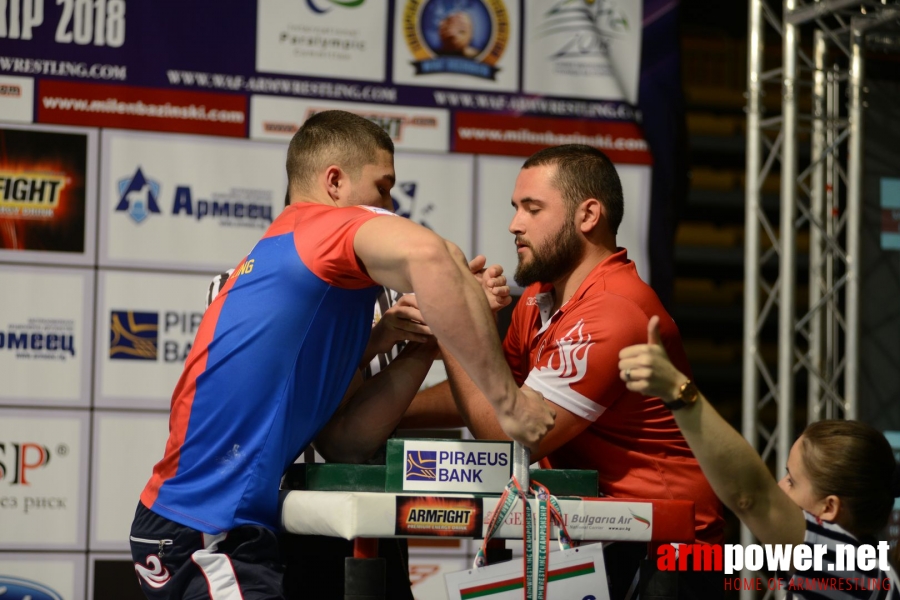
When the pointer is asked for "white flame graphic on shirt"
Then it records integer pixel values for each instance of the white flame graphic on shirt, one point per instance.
(572, 354)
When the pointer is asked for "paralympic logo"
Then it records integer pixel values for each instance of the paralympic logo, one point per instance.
(314, 4)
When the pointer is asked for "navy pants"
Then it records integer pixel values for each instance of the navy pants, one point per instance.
(176, 562)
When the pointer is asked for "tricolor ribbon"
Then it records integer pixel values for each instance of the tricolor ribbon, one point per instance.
(537, 552)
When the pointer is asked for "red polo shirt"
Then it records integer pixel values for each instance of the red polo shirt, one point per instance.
(572, 358)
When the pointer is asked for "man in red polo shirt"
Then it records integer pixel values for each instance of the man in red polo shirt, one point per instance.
(583, 302)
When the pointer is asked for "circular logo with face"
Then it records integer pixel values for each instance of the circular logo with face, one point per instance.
(456, 36)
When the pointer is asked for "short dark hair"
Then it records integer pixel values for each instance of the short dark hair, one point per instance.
(584, 172)
(854, 462)
(334, 137)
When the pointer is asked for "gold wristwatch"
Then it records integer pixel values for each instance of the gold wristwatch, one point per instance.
(687, 396)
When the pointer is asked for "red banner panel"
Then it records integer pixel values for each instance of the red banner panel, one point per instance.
(482, 133)
(126, 107)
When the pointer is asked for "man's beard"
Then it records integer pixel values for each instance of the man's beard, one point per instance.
(554, 259)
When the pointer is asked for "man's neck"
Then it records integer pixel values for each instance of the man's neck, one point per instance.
(565, 287)
(313, 199)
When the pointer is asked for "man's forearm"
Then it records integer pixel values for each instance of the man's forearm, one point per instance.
(471, 404)
(372, 413)
(432, 408)
(445, 312)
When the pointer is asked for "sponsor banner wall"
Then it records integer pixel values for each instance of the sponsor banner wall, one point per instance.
(278, 119)
(43, 488)
(126, 446)
(128, 107)
(437, 192)
(496, 178)
(146, 323)
(583, 49)
(470, 44)
(42, 576)
(482, 133)
(185, 202)
(48, 183)
(46, 329)
(17, 99)
(323, 38)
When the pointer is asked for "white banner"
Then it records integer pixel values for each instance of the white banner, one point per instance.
(126, 446)
(277, 119)
(42, 576)
(496, 177)
(583, 49)
(43, 491)
(17, 99)
(45, 335)
(146, 323)
(186, 202)
(436, 191)
(471, 44)
(323, 38)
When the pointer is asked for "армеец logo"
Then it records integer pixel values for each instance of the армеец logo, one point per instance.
(137, 196)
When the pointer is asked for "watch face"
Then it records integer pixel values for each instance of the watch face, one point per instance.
(690, 393)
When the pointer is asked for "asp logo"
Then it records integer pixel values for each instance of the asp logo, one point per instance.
(138, 196)
(323, 6)
(133, 335)
(16, 460)
(14, 588)
(421, 465)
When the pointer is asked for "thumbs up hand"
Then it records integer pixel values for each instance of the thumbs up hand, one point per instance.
(646, 368)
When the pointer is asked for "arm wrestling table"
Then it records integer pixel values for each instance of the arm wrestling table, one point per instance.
(348, 501)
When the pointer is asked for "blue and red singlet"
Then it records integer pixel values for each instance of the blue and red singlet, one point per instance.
(272, 359)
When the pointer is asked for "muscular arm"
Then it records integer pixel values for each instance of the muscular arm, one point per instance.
(433, 408)
(373, 409)
(735, 471)
(477, 415)
(405, 256)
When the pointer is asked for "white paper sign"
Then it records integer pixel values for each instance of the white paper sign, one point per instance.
(579, 573)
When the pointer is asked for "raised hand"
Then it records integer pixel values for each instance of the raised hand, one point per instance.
(646, 368)
(528, 419)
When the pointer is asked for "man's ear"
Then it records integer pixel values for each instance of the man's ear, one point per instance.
(589, 214)
(334, 180)
(831, 508)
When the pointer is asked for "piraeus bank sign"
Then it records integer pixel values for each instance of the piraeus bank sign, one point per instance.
(448, 466)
